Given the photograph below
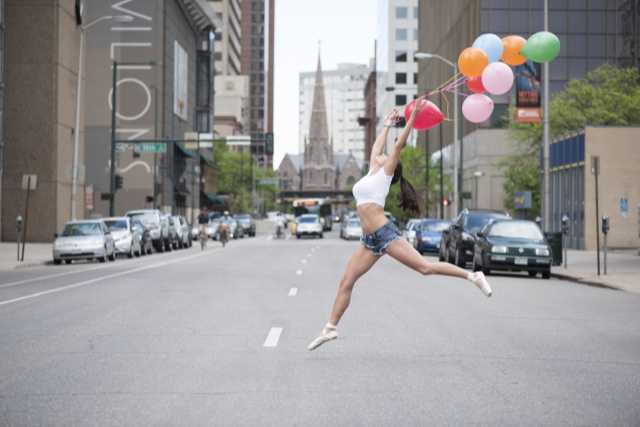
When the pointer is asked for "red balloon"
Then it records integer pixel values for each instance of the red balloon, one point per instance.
(475, 84)
(430, 115)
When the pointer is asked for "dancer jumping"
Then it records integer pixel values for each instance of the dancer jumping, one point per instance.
(381, 236)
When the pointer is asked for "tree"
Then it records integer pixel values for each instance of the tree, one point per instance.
(607, 96)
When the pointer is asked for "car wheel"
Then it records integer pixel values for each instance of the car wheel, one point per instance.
(321, 236)
(459, 259)
(112, 257)
(102, 259)
(66, 261)
(546, 275)
(167, 246)
(57, 261)
(532, 273)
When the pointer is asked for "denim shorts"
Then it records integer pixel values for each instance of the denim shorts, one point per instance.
(379, 240)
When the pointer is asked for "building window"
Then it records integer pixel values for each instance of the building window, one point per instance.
(415, 78)
(401, 78)
(401, 12)
(401, 100)
(401, 34)
(401, 56)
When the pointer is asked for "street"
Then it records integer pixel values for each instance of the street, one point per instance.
(219, 338)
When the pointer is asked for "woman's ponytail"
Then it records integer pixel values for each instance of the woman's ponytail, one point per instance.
(408, 195)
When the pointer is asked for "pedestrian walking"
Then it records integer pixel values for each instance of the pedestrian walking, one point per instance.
(380, 235)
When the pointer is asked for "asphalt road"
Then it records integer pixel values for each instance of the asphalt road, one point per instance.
(179, 340)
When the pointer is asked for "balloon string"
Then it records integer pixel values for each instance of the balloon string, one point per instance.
(456, 83)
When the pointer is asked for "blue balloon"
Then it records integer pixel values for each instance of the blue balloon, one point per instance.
(491, 45)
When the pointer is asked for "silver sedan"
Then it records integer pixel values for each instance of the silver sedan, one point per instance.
(88, 240)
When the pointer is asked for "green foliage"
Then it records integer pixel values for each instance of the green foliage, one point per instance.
(608, 96)
(234, 178)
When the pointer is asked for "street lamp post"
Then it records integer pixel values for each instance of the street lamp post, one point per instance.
(457, 133)
(546, 214)
(76, 136)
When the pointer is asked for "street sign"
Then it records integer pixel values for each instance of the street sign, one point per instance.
(88, 197)
(269, 181)
(29, 181)
(157, 147)
(522, 200)
(105, 196)
(466, 195)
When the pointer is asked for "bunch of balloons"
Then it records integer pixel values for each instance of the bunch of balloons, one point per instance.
(486, 67)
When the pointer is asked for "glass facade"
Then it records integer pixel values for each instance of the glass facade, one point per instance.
(591, 32)
(2, 75)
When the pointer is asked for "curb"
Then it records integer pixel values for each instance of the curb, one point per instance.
(587, 282)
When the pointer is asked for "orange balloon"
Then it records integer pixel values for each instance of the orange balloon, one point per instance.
(511, 52)
(472, 61)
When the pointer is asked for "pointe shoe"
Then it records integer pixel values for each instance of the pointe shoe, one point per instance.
(481, 282)
(328, 334)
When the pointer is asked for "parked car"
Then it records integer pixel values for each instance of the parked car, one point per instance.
(512, 245)
(171, 242)
(88, 239)
(460, 239)
(428, 234)
(195, 232)
(183, 238)
(247, 223)
(353, 229)
(410, 233)
(127, 239)
(146, 243)
(345, 220)
(158, 228)
(309, 225)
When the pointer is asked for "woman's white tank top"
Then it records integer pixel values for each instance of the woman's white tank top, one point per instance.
(372, 188)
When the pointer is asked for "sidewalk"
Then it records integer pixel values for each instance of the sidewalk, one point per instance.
(34, 254)
(623, 269)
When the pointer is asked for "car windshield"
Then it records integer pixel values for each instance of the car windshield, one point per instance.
(516, 230)
(242, 217)
(475, 222)
(82, 229)
(354, 223)
(308, 219)
(116, 224)
(437, 226)
(147, 218)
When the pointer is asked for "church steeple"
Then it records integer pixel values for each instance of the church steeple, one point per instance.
(318, 128)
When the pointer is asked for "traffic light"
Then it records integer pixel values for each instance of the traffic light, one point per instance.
(269, 143)
(445, 202)
(119, 182)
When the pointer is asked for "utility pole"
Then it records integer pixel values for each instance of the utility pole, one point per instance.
(112, 168)
(546, 203)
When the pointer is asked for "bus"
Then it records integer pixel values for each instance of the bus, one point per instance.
(320, 207)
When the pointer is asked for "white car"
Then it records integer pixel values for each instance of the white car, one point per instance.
(126, 238)
(309, 225)
(352, 229)
(410, 234)
(89, 239)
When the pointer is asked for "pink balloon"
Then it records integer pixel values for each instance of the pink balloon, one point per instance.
(477, 108)
(497, 78)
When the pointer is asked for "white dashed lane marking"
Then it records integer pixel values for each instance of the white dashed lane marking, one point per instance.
(273, 337)
(293, 292)
(299, 272)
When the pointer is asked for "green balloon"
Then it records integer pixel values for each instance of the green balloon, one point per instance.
(541, 47)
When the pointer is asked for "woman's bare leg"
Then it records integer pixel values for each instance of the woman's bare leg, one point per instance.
(402, 251)
(361, 261)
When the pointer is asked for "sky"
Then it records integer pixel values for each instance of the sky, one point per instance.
(346, 30)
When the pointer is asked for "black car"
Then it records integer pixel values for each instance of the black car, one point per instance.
(512, 245)
(458, 242)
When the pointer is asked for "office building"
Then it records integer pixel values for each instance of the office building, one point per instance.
(344, 94)
(258, 20)
(164, 93)
(397, 40)
(39, 76)
(228, 36)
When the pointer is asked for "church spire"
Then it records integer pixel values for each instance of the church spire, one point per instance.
(318, 128)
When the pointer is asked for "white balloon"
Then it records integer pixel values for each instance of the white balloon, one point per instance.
(497, 78)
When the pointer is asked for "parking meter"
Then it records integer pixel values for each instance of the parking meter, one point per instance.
(605, 231)
(565, 232)
(565, 224)
(18, 232)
